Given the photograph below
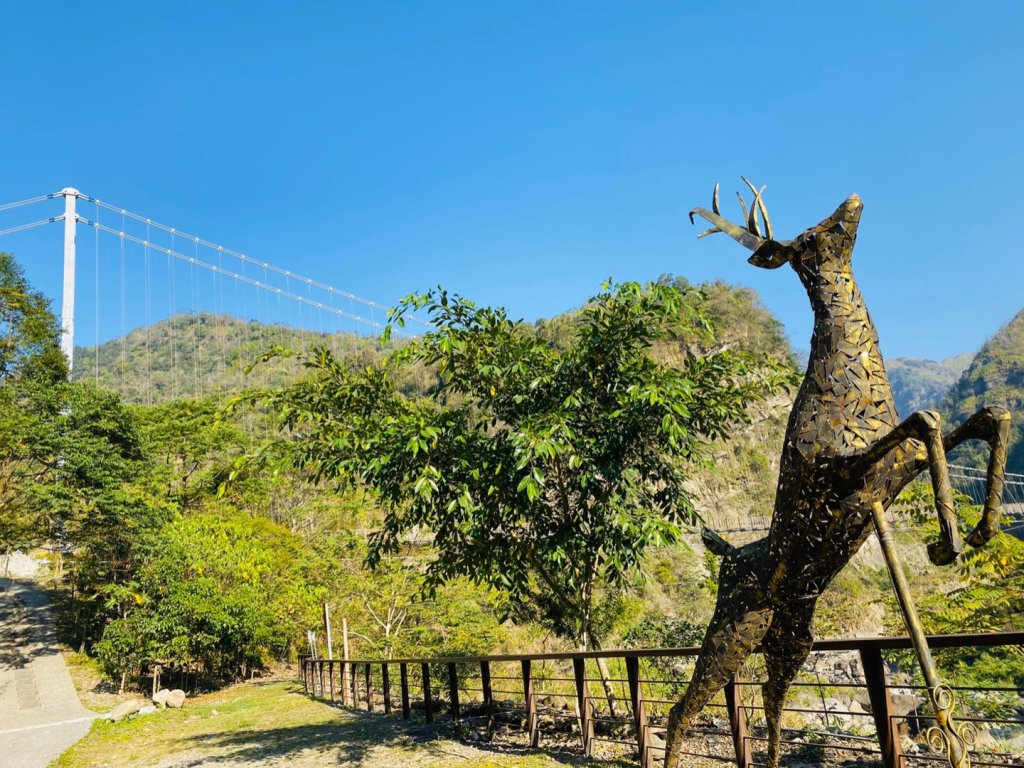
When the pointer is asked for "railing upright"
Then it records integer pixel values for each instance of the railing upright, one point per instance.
(427, 704)
(579, 672)
(639, 707)
(385, 682)
(881, 707)
(738, 724)
(485, 684)
(403, 680)
(532, 732)
(369, 688)
(453, 691)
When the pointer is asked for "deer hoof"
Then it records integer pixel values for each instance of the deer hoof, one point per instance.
(941, 553)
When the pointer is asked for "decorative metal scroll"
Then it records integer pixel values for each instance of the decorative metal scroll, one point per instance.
(845, 455)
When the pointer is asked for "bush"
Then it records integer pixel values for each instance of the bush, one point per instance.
(222, 594)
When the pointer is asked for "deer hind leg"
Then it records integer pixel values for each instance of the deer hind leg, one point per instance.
(926, 426)
(991, 424)
(740, 622)
(786, 647)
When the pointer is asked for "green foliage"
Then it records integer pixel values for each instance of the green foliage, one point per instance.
(540, 469)
(193, 448)
(29, 334)
(659, 631)
(32, 374)
(995, 377)
(221, 593)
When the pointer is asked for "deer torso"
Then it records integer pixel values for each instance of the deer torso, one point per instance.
(844, 406)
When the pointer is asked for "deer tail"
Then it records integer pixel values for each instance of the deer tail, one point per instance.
(716, 543)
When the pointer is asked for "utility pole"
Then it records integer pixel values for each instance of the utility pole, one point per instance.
(67, 314)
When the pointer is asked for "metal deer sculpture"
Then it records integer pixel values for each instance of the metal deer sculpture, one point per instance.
(845, 458)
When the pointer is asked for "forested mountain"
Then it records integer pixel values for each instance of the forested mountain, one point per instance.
(189, 356)
(918, 384)
(207, 355)
(995, 377)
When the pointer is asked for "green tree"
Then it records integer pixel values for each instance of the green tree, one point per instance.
(32, 382)
(540, 469)
(222, 593)
(191, 446)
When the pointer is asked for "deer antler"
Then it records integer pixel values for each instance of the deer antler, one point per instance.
(751, 235)
(749, 214)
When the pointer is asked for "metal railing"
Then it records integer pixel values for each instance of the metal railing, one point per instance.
(560, 702)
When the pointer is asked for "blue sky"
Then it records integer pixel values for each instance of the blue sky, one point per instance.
(520, 153)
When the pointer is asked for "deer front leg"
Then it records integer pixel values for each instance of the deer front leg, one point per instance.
(991, 424)
(926, 426)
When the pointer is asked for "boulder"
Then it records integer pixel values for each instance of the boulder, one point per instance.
(124, 709)
(176, 699)
(160, 697)
(149, 709)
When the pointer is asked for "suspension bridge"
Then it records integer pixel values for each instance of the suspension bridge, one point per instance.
(145, 284)
(203, 298)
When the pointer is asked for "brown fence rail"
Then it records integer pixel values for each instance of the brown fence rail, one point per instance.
(859, 714)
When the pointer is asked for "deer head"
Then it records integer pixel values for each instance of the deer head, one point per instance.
(828, 241)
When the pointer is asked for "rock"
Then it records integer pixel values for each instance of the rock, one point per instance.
(985, 741)
(176, 699)
(124, 709)
(149, 709)
(905, 703)
(160, 697)
(856, 708)
(214, 713)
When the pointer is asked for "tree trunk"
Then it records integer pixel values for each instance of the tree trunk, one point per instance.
(602, 668)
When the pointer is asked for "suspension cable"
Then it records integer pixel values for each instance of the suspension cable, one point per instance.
(248, 259)
(147, 244)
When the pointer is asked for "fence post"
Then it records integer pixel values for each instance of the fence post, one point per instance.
(403, 679)
(353, 680)
(738, 723)
(369, 689)
(330, 676)
(636, 696)
(531, 704)
(485, 682)
(881, 707)
(427, 708)
(583, 704)
(453, 691)
(385, 681)
(303, 667)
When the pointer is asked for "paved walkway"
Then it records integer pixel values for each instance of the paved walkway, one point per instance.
(40, 714)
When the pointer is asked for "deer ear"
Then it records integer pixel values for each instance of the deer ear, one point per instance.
(772, 254)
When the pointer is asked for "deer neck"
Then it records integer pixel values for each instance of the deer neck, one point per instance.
(845, 356)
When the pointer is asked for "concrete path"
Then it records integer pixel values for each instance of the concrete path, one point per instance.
(40, 714)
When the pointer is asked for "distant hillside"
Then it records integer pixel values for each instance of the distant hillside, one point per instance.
(918, 384)
(203, 355)
(207, 354)
(995, 377)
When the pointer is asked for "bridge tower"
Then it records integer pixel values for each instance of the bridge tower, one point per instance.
(67, 314)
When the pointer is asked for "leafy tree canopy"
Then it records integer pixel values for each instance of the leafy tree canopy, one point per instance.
(537, 467)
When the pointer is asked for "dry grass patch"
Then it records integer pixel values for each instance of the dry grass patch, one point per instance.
(275, 724)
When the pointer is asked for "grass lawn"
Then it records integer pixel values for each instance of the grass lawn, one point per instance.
(275, 724)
